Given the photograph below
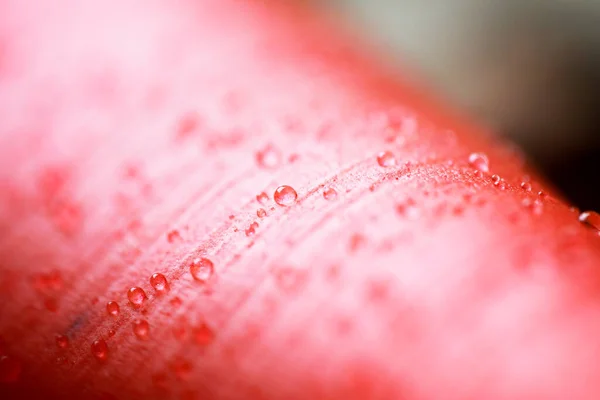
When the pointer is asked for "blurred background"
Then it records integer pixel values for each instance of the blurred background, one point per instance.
(530, 69)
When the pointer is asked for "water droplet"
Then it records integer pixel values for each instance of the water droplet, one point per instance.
(285, 195)
(175, 302)
(591, 219)
(112, 308)
(173, 236)
(100, 350)
(330, 194)
(386, 159)
(290, 279)
(251, 229)
(535, 206)
(496, 179)
(141, 328)
(542, 194)
(526, 186)
(268, 157)
(480, 162)
(10, 369)
(136, 296)
(203, 334)
(111, 333)
(159, 282)
(202, 269)
(408, 209)
(261, 213)
(62, 342)
(262, 198)
(182, 369)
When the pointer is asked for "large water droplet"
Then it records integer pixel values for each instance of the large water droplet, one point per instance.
(136, 296)
(141, 328)
(203, 334)
(62, 342)
(262, 198)
(330, 194)
(10, 369)
(480, 162)
(112, 308)
(100, 350)
(202, 269)
(159, 282)
(285, 195)
(386, 159)
(591, 219)
(268, 157)
(261, 213)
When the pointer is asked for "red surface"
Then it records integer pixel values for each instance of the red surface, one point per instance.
(135, 139)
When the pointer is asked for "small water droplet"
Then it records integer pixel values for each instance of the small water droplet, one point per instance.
(408, 209)
(112, 308)
(285, 195)
(159, 282)
(202, 269)
(268, 157)
(261, 213)
(62, 342)
(173, 236)
(535, 206)
(386, 159)
(136, 296)
(526, 186)
(480, 162)
(100, 350)
(175, 302)
(330, 194)
(111, 333)
(496, 179)
(251, 229)
(182, 369)
(203, 334)
(290, 279)
(141, 328)
(542, 194)
(10, 369)
(591, 219)
(262, 198)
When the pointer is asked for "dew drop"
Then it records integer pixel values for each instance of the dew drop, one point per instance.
(203, 334)
(159, 282)
(542, 194)
(175, 302)
(10, 369)
(268, 157)
(62, 342)
(202, 269)
(112, 308)
(261, 213)
(262, 198)
(141, 328)
(526, 186)
(408, 209)
(136, 296)
(386, 159)
(330, 194)
(251, 229)
(173, 236)
(496, 179)
(285, 195)
(480, 162)
(100, 350)
(591, 219)
(111, 333)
